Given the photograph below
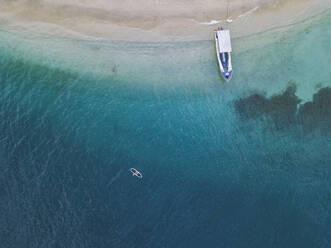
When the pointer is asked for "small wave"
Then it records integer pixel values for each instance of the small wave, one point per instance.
(249, 12)
(212, 22)
(113, 179)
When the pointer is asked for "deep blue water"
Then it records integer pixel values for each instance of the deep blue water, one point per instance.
(252, 171)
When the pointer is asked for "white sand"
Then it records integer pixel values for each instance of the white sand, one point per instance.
(153, 20)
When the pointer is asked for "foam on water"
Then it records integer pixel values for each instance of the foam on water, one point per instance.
(212, 22)
(249, 12)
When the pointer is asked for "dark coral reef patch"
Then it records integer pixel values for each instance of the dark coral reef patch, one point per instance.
(283, 111)
(317, 113)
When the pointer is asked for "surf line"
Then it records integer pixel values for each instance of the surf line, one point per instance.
(212, 22)
(248, 12)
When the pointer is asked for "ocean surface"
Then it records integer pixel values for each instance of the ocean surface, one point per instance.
(243, 164)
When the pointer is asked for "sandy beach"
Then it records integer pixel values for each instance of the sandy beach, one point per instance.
(153, 20)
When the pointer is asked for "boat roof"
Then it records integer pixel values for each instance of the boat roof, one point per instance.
(224, 41)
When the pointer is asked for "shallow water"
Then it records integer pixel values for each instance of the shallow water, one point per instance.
(224, 165)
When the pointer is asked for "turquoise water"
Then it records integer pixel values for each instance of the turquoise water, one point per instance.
(244, 164)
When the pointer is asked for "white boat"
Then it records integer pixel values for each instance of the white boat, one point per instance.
(223, 50)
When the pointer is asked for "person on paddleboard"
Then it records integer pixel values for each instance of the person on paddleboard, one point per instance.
(136, 173)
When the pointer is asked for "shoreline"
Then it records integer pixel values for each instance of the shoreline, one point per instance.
(181, 65)
(97, 21)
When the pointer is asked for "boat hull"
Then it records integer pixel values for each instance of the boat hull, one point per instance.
(226, 77)
(224, 60)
